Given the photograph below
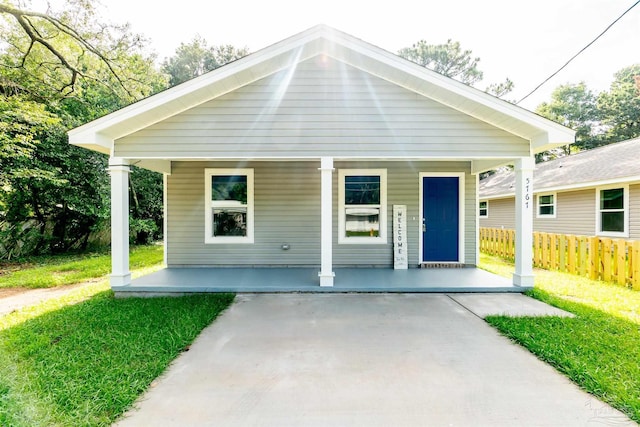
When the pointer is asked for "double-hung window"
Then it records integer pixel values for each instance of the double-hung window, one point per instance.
(613, 211)
(362, 195)
(546, 205)
(228, 206)
(483, 209)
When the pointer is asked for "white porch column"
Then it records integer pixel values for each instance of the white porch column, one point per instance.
(326, 273)
(523, 275)
(119, 170)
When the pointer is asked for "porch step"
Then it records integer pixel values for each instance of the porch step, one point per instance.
(441, 265)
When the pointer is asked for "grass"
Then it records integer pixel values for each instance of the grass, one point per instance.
(85, 364)
(84, 358)
(52, 271)
(599, 349)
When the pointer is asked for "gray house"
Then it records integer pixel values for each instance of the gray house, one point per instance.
(296, 156)
(591, 193)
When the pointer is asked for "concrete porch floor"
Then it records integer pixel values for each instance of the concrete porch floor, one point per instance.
(170, 280)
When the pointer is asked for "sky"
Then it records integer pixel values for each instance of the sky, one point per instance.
(524, 41)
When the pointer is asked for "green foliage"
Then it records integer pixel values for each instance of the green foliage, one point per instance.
(620, 106)
(196, 58)
(86, 364)
(574, 106)
(55, 196)
(450, 60)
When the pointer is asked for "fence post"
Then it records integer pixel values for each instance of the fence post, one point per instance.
(594, 259)
(606, 259)
(636, 265)
(571, 252)
(621, 261)
(553, 251)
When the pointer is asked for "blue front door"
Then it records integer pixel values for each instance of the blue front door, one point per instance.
(440, 219)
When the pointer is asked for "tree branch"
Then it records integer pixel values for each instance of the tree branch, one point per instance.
(25, 21)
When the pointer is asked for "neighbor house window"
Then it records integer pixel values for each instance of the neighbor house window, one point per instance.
(546, 206)
(228, 206)
(362, 207)
(483, 209)
(613, 211)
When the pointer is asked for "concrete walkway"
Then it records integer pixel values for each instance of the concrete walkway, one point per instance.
(365, 360)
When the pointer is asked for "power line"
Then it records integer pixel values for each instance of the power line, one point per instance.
(581, 50)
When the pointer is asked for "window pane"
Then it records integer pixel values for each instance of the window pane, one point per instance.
(483, 208)
(361, 190)
(546, 200)
(363, 222)
(612, 221)
(612, 199)
(229, 187)
(230, 221)
(546, 210)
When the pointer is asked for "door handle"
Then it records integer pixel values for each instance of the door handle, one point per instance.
(424, 226)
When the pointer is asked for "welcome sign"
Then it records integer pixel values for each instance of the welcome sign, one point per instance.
(400, 247)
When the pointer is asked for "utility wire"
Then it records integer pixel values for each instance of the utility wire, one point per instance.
(581, 50)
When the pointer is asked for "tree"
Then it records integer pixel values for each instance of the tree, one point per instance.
(620, 106)
(450, 60)
(196, 58)
(47, 54)
(56, 195)
(574, 106)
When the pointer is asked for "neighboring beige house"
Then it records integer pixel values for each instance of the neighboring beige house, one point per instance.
(594, 192)
(296, 155)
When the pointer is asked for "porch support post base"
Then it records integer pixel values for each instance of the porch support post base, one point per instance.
(523, 281)
(326, 273)
(326, 280)
(116, 280)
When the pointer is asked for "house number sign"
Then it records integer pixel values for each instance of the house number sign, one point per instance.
(527, 193)
(400, 259)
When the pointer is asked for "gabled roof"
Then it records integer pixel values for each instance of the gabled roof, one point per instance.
(612, 163)
(543, 134)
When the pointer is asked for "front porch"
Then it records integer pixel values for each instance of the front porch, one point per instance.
(190, 280)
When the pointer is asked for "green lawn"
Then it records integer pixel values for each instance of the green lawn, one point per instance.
(84, 358)
(51, 271)
(85, 364)
(599, 349)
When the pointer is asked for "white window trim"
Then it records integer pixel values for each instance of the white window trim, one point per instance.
(625, 193)
(555, 205)
(486, 215)
(208, 216)
(382, 238)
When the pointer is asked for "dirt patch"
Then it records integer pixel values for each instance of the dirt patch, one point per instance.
(8, 292)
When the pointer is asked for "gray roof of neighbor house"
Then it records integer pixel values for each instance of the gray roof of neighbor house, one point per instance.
(619, 162)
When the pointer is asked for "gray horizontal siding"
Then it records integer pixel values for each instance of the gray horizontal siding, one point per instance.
(502, 214)
(575, 214)
(338, 111)
(287, 210)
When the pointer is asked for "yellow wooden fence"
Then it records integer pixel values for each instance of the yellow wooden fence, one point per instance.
(611, 260)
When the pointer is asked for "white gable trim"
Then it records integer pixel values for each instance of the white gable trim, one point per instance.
(100, 134)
